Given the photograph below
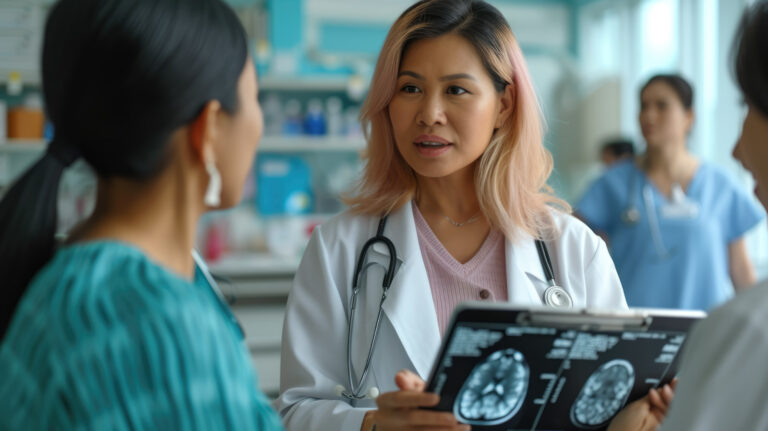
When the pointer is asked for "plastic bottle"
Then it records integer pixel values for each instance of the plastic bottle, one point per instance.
(314, 122)
(352, 123)
(215, 243)
(292, 119)
(15, 85)
(273, 116)
(263, 55)
(333, 107)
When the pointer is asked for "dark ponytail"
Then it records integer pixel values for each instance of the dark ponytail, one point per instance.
(119, 77)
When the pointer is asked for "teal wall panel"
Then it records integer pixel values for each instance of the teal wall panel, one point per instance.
(352, 38)
(286, 24)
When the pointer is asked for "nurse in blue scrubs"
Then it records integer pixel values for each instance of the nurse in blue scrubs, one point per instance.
(118, 329)
(674, 224)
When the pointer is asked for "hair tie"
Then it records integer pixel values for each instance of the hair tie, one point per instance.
(64, 152)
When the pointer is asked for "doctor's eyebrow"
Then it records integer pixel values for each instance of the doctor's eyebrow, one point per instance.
(444, 78)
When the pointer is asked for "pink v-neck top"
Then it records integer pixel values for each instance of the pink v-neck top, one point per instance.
(482, 278)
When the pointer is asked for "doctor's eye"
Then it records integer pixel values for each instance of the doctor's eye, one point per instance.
(410, 89)
(455, 90)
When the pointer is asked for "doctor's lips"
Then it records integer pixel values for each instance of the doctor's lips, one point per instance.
(431, 145)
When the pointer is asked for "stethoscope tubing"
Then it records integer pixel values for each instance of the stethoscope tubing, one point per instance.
(546, 262)
(354, 389)
(631, 215)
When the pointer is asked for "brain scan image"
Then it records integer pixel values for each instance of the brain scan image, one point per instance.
(604, 394)
(495, 390)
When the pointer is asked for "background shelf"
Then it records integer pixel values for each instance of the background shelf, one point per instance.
(288, 144)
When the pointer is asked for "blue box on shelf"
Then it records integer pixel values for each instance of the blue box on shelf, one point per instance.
(283, 185)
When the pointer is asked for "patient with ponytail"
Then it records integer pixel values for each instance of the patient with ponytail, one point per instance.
(117, 328)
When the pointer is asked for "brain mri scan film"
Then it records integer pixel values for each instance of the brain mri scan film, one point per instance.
(494, 390)
(603, 395)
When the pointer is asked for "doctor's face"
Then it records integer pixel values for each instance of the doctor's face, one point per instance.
(445, 107)
(752, 151)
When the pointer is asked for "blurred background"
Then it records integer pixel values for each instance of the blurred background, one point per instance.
(588, 59)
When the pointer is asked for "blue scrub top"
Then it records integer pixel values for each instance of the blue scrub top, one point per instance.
(694, 273)
(104, 338)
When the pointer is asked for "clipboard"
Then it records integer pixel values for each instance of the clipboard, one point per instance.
(537, 368)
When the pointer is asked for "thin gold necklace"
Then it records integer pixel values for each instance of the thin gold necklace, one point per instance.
(472, 219)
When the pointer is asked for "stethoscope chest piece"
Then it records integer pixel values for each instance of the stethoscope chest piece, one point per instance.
(556, 296)
(631, 215)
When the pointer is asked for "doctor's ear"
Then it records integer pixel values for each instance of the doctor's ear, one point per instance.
(204, 132)
(507, 104)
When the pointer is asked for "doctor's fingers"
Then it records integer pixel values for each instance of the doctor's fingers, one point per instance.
(661, 398)
(657, 404)
(674, 383)
(407, 380)
(406, 399)
(667, 393)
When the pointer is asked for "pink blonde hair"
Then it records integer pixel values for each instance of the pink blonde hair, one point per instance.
(511, 175)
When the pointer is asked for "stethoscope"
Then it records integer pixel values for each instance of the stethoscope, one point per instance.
(631, 214)
(554, 296)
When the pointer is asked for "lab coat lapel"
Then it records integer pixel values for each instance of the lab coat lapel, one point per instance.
(409, 305)
(522, 259)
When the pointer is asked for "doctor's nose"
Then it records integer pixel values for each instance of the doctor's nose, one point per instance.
(431, 112)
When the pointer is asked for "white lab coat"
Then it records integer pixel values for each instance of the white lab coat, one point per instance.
(314, 358)
(723, 382)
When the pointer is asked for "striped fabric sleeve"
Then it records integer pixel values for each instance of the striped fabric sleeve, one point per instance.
(177, 365)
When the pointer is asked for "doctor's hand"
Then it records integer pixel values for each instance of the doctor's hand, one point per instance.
(400, 410)
(647, 413)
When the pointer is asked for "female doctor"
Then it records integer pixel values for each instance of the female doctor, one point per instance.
(452, 199)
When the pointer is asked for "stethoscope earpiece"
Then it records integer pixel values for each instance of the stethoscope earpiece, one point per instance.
(372, 393)
(341, 391)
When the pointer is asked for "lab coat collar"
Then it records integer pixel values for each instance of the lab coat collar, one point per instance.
(409, 305)
(522, 262)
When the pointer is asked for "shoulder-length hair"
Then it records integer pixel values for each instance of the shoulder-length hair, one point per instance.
(511, 175)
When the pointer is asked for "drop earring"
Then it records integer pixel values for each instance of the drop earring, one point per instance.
(213, 192)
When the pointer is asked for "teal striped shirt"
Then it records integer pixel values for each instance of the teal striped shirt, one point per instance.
(106, 339)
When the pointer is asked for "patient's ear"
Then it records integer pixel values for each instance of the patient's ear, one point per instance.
(204, 132)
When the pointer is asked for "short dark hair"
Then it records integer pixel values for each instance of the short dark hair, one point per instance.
(619, 147)
(680, 85)
(751, 56)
